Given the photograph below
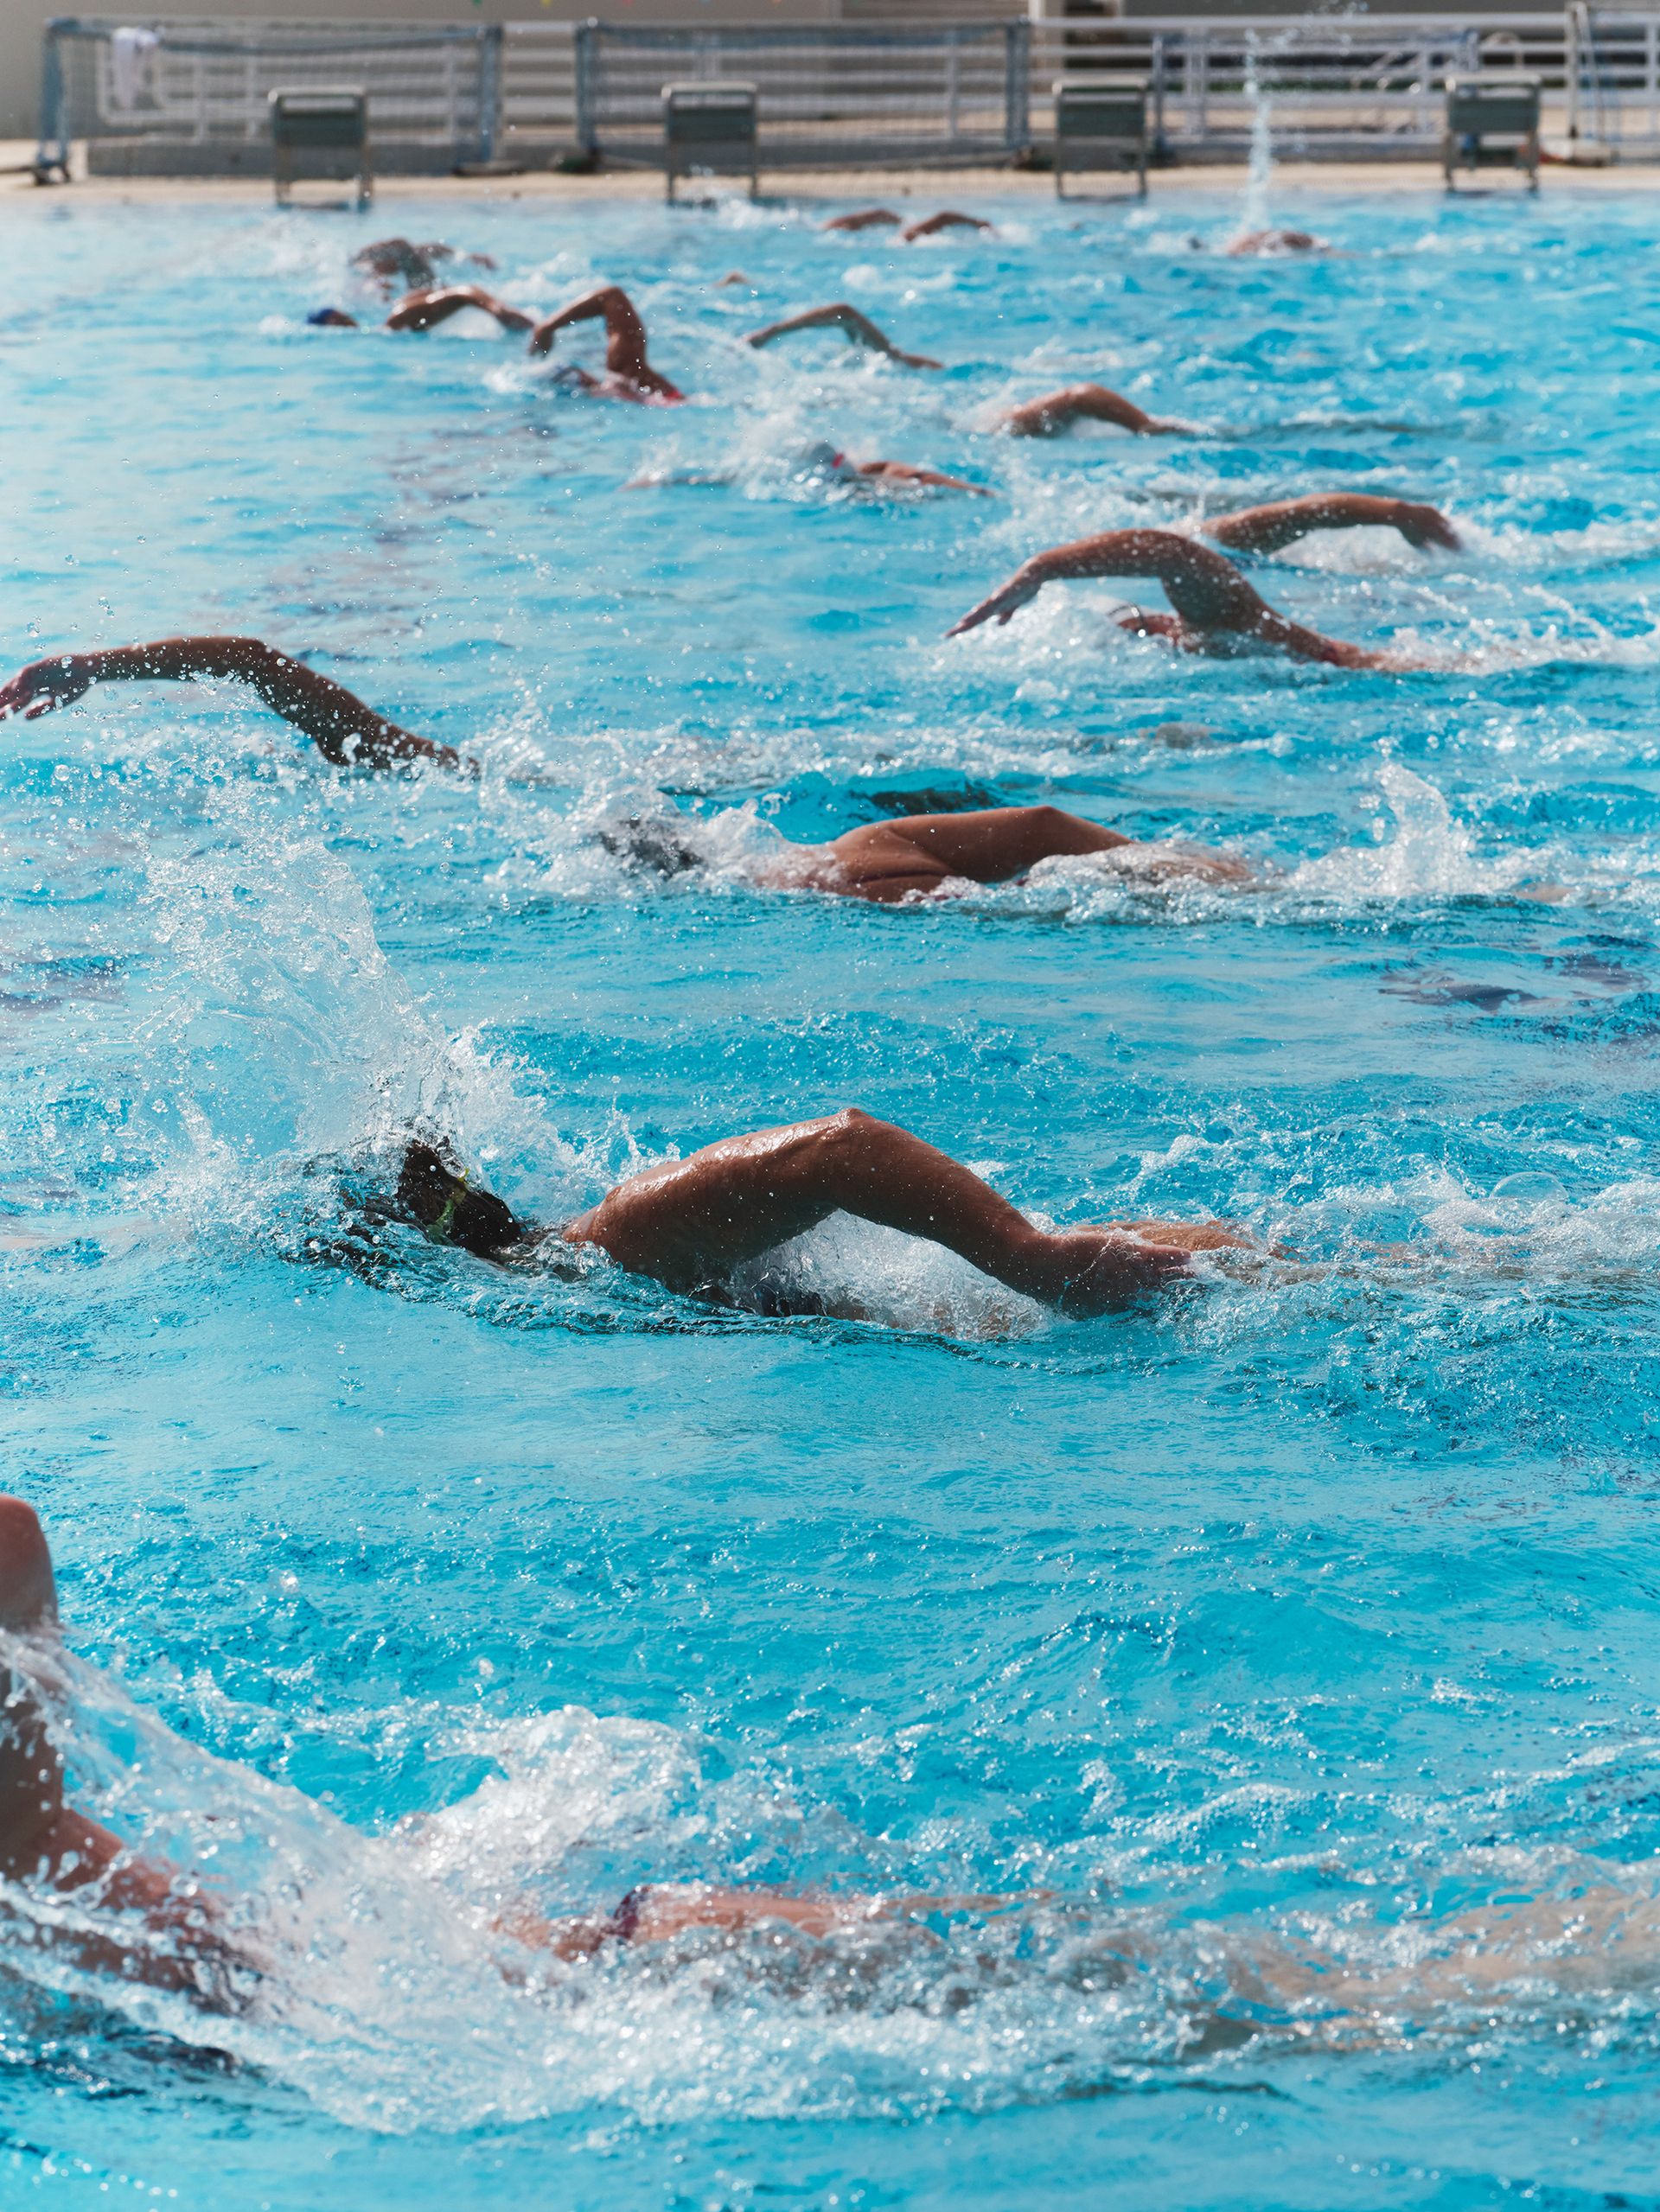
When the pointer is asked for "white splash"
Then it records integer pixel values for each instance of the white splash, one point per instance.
(1431, 854)
(1261, 173)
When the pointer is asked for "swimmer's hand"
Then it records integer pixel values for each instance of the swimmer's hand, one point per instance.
(1099, 1270)
(1421, 525)
(34, 690)
(1024, 584)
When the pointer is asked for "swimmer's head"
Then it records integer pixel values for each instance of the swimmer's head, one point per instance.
(441, 1199)
(659, 842)
(332, 318)
(821, 458)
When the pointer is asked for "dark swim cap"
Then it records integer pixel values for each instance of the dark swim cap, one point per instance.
(655, 841)
(330, 317)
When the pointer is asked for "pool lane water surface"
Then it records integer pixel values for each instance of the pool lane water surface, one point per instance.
(1309, 1606)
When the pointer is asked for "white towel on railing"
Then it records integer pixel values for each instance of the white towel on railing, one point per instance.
(131, 59)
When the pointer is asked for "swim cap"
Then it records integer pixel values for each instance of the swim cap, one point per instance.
(331, 318)
(821, 459)
(660, 842)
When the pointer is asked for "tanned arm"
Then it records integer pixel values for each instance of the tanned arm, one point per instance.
(425, 311)
(345, 729)
(867, 219)
(1211, 597)
(611, 304)
(1058, 410)
(858, 329)
(947, 220)
(1205, 589)
(690, 1222)
(902, 472)
(1269, 529)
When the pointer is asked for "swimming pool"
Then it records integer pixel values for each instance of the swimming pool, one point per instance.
(1316, 1600)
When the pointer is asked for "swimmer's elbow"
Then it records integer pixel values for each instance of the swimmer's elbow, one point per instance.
(255, 661)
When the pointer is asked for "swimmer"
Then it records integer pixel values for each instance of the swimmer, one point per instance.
(347, 733)
(824, 459)
(629, 374)
(426, 310)
(395, 261)
(169, 1930)
(825, 463)
(1580, 1925)
(1274, 241)
(871, 218)
(170, 1937)
(1270, 529)
(1214, 606)
(693, 1224)
(1085, 403)
(857, 328)
(918, 855)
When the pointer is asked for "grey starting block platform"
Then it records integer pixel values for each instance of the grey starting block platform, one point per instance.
(710, 125)
(330, 119)
(1100, 123)
(1492, 122)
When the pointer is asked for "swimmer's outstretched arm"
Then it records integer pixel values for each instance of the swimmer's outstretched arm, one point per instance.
(1058, 410)
(947, 220)
(609, 304)
(902, 472)
(865, 218)
(632, 375)
(345, 729)
(1211, 598)
(1207, 592)
(661, 1910)
(857, 327)
(1269, 529)
(425, 311)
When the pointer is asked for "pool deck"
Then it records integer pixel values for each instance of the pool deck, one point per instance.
(943, 187)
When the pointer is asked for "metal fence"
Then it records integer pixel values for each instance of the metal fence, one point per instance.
(827, 93)
(174, 96)
(1350, 87)
(1613, 80)
(1361, 88)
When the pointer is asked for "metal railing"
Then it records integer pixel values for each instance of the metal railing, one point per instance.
(1358, 87)
(1613, 79)
(176, 96)
(1364, 87)
(827, 93)
(181, 95)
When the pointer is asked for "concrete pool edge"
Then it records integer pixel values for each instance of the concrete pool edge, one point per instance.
(1304, 180)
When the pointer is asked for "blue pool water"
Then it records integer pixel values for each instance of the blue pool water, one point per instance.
(1308, 1607)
